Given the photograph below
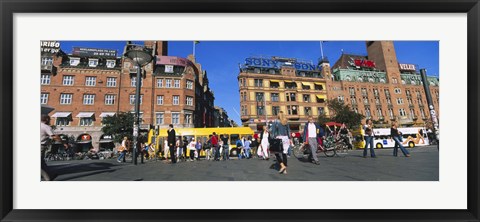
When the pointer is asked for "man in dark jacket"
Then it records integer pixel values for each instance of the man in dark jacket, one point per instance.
(312, 134)
(171, 143)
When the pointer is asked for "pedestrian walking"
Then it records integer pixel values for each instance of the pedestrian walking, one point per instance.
(198, 147)
(247, 148)
(192, 149)
(123, 150)
(281, 131)
(215, 147)
(46, 136)
(171, 143)
(368, 128)
(226, 151)
(264, 143)
(208, 148)
(396, 136)
(239, 144)
(312, 134)
(179, 147)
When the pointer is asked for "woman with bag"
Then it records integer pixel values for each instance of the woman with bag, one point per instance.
(281, 140)
(122, 150)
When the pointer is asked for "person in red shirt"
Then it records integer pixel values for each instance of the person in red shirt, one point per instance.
(215, 147)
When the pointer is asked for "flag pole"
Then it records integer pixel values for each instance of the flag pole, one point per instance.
(194, 49)
(321, 49)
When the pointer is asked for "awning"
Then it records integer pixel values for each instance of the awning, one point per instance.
(306, 83)
(322, 97)
(47, 109)
(288, 81)
(85, 114)
(102, 115)
(275, 81)
(62, 114)
(319, 83)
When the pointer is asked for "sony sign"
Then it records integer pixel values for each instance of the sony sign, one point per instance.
(275, 64)
(407, 67)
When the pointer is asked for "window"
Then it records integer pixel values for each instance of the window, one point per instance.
(368, 114)
(305, 87)
(321, 110)
(397, 91)
(422, 112)
(111, 81)
(159, 118)
(176, 83)
(258, 82)
(352, 91)
(390, 113)
(189, 84)
(275, 110)
(62, 121)
(132, 99)
(291, 97)
(274, 97)
(377, 101)
(399, 101)
(159, 83)
(244, 110)
(188, 118)
(394, 80)
(44, 98)
(365, 101)
(292, 110)
(92, 62)
(389, 101)
(364, 92)
(341, 98)
(260, 110)
(47, 61)
(379, 112)
(66, 98)
(175, 118)
(86, 121)
(355, 110)
(88, 99)
(68, 80)
(133, 81)
(318, 87)
(169, 83)
(176, 100)
(274, 85)
(402, 112)
(159, 100)
(74, 61)
(189, 101)
(375, 92)
(45, 79)
(259, 96)
(306, 98)
(308, 111)
(387, 93)
(409, 101)
(109, 99)
(412, 113)
(110, 63)
(90, 80)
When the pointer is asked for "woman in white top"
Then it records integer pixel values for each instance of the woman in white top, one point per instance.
(165, 150)
(191, 147)
(264, 144)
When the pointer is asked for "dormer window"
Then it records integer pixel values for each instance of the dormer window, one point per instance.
(110, 63)
(92, 62)
(74, 61)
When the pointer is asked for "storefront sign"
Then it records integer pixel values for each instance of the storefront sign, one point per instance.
(49, 46)
(407, 67)
(87, 52)
(275, 64)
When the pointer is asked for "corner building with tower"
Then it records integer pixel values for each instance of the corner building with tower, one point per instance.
(375, 85)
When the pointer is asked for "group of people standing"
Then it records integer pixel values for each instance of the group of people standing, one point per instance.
(395, 135)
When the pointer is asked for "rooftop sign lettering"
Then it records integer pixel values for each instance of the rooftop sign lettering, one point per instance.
(87, 52)
(276, 64)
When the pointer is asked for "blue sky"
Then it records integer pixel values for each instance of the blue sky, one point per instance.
(221, 58)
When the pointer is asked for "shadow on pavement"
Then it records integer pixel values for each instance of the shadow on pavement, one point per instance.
(86, 169)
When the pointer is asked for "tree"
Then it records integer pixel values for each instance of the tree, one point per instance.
(322, 119)
(118, 126)
(341, 113)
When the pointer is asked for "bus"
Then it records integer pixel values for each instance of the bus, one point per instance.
(412, 136)
(202, 135)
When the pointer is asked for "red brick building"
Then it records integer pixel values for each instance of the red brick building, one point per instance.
(89, 84)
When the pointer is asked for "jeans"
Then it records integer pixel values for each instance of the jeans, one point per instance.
(397, 144)
(369, 140)
(281, 159)
(122, 156)
(239, 150)
(192, 154)
(247, 152)
(226, 153)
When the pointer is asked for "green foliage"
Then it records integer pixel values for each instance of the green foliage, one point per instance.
(322, 119)
(118, 126)
(341, 113)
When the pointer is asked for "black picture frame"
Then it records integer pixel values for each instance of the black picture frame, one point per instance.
(9, 7)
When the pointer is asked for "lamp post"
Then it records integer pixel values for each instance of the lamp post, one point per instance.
(141, 57)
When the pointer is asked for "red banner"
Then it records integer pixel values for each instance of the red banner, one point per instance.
(364, 63)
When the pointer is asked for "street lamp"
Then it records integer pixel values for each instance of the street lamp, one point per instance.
(141, 57)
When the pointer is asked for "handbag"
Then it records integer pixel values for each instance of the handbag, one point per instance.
(276, 145)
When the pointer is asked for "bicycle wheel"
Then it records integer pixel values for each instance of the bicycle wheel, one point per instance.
(298, 151)
(329, 151)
